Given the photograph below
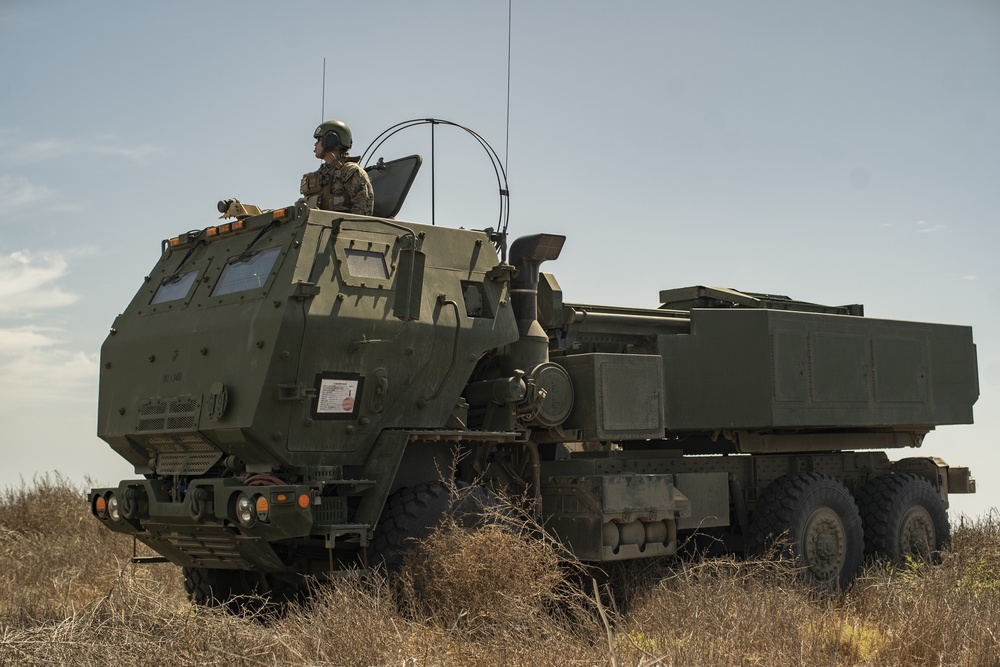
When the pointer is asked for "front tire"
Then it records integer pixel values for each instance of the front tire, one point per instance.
(240, 591)
(821, 521)
(412, 513)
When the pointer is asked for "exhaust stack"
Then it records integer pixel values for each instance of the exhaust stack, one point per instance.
(526, 255)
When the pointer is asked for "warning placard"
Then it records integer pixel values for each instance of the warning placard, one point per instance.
(336, 396)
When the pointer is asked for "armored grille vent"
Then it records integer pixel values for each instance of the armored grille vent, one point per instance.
(150, 424)
(185, 422)
(324, 473)
(186, 463)
(151, 416)
(177, 442)
(182, 453)
(169, 414)
(205, 549)
(182, 405)
(331, 512)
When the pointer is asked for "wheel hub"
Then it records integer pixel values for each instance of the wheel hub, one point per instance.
(824, 545)
(917, 535)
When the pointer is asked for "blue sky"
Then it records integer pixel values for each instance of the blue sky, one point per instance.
(834, 152)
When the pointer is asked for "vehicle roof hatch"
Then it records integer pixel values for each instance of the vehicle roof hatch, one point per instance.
(391, 182)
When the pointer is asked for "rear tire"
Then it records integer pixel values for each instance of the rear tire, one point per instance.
(818, 516)
(903, 517)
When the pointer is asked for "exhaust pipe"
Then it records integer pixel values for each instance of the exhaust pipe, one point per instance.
(526, 255)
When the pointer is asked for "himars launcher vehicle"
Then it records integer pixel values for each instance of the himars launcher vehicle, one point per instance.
(292, 385)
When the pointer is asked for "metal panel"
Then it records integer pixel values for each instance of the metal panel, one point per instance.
(759, 369)
(614, 517)
(900, 370)
(709, 496)
(840, 367)
(633, 494)
(617, 396)
(790, 350)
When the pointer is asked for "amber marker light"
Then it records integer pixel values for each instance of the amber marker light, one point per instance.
(279, 214)
(304, 500)
(262, 507)
(175, 242)
(101, 507)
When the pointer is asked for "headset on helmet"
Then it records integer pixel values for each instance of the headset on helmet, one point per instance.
(334, 134)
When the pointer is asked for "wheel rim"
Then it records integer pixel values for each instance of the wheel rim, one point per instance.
(917, 535)
(824, 545)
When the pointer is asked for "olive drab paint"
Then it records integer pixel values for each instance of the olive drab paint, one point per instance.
(277, 380)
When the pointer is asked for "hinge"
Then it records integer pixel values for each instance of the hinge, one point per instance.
(303, 290)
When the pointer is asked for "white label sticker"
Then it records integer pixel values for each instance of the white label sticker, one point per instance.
(336, 397)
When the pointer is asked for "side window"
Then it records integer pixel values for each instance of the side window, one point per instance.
(174, 287)
(248, 272)
(366, 264)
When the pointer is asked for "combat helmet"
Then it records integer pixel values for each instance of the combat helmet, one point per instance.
(334, 134)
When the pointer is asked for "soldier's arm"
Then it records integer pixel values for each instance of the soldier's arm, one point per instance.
(310, 184)
(362, 195)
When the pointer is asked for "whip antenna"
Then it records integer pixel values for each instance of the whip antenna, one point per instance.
(322, 108)
(506, 148)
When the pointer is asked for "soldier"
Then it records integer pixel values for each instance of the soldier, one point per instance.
(340, 184)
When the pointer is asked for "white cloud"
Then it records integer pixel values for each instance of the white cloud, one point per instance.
(67, 207)
(16, 192)
(32, 365)
(34, 369)
(927, 228)
(27, 282)
(26, 338)
(48, 390)
(57, 148)
(45, 374)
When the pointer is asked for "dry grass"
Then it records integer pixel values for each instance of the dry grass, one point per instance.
(498, 596)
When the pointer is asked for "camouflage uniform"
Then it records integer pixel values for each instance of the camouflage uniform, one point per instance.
(341, 185)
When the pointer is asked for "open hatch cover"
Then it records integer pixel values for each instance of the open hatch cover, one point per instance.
(391, 182)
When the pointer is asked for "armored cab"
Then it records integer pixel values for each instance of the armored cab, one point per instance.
(293, 340)
(298, 390)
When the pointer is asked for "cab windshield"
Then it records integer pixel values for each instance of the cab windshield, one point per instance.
(246, 272)
(173, 288)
